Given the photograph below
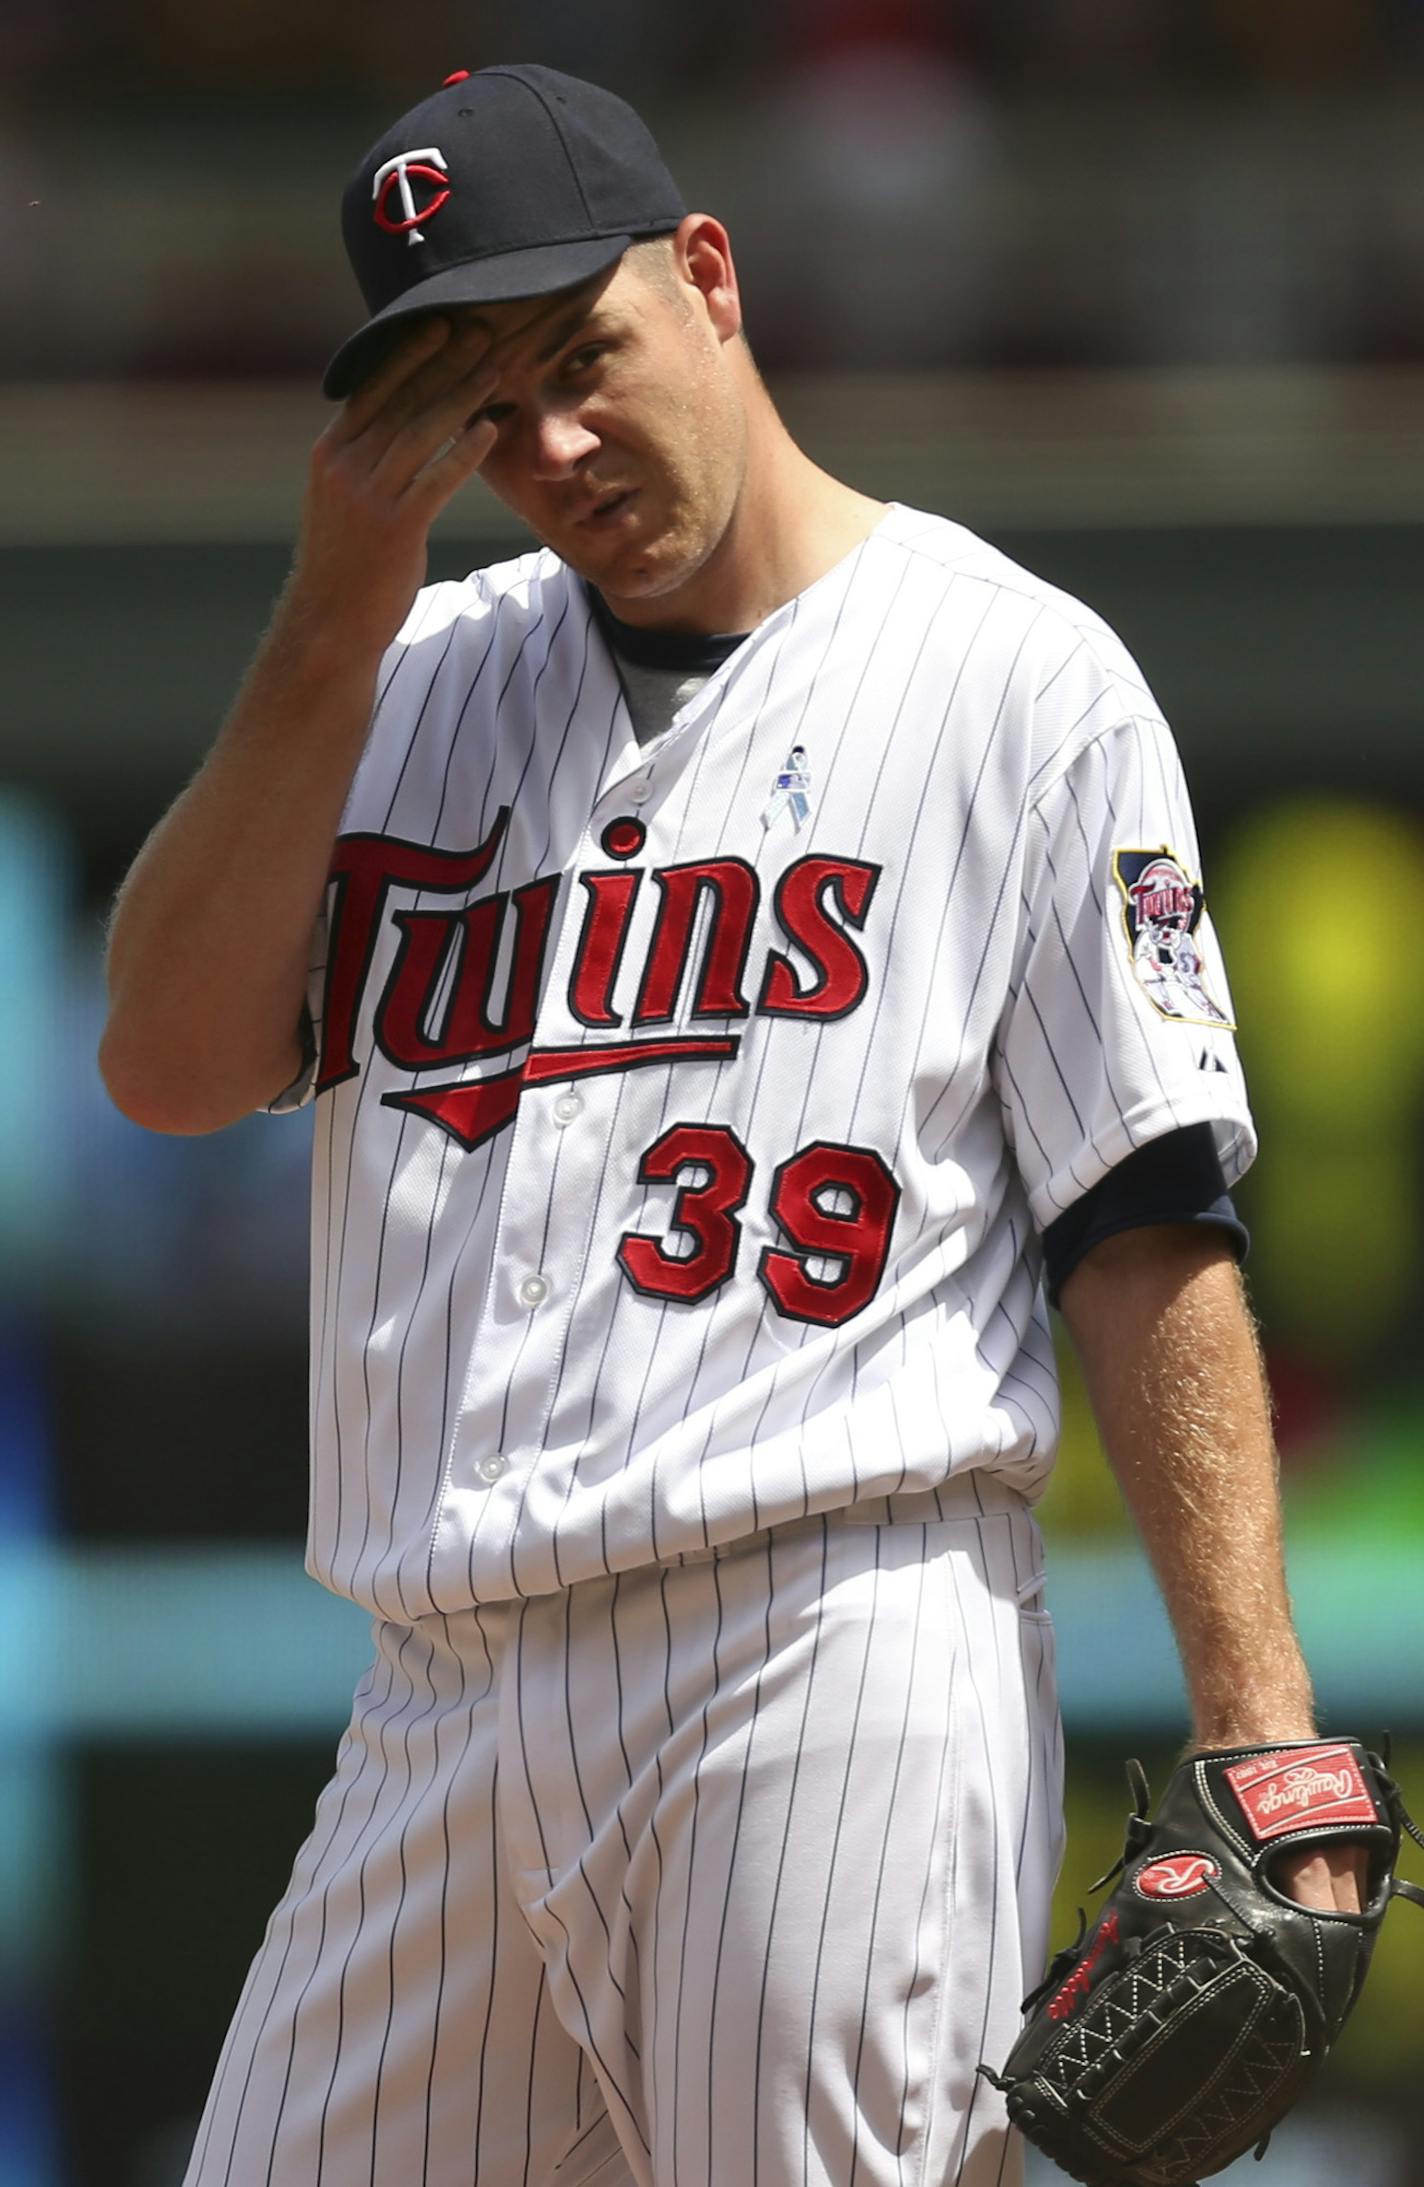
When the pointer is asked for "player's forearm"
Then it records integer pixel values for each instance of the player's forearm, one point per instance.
(210, 938)
(1160, 1322)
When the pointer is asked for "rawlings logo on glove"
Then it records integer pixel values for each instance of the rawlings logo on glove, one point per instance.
(1279, 1793)
(1186, 2026)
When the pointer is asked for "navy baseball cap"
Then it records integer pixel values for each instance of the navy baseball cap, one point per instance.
(508, 182)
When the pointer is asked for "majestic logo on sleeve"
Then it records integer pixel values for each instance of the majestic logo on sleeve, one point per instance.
(437, 1009)
(1162, 910)
(398, 178)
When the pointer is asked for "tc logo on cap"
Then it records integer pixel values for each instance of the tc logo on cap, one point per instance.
(396, 174)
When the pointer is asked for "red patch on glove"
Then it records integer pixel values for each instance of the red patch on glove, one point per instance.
(1180, 1875)
(1300, 1788)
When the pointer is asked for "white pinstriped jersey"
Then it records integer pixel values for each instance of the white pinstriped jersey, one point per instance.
(683, 1137)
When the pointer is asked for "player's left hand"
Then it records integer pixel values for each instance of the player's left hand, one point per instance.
(1330, 1879)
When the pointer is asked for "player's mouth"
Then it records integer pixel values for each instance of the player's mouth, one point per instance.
(606, 512)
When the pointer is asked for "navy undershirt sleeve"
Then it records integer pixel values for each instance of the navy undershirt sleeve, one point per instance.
(1174, 1179)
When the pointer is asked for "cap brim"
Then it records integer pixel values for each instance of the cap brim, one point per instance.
(499, 280)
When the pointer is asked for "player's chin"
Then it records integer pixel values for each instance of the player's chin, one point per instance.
(638, 556)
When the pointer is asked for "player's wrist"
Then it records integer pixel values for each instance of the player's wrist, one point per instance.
(309, 641)
(1215, 1728)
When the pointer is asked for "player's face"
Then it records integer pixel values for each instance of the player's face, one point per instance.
(622, 432)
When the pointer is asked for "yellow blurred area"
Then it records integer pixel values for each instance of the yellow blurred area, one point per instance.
(1310, 900)
(1313, 899)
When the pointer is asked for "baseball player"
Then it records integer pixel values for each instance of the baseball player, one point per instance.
(726, 1022)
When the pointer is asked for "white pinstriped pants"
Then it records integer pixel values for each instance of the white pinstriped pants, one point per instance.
(720, 1874)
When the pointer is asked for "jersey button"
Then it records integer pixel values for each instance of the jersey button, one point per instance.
(566, 1107)
(534, 1290)
(491, 1466)
(640, 790)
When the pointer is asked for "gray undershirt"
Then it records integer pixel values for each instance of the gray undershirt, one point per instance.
(656, 695)
(660, 671)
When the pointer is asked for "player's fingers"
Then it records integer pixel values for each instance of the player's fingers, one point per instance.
(1329, 1881)
(452, 464)
(366, 402)
(422, 437)
(404, 415)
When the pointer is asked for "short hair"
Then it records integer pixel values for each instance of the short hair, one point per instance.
(651, 257)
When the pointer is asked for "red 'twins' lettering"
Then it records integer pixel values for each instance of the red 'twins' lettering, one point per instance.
(841, 976)
(437, 1009)
(364, 869)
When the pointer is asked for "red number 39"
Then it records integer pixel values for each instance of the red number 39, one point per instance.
(834, 1205)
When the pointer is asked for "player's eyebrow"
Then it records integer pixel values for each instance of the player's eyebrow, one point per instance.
(571, 323)
(583, 308)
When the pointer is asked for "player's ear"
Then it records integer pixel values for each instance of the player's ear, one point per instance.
(702, 255)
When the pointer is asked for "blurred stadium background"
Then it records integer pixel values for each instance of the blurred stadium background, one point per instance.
(1136, 288)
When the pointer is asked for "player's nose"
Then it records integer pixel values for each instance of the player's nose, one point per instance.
(561, 442)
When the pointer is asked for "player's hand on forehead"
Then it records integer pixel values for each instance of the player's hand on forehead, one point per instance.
(414, 425)
(448, 359)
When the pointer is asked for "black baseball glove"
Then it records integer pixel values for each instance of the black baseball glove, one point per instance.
(1177, 2032)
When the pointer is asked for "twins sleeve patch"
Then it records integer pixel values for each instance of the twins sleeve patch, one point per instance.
(1301, 1788)
(1161, 911)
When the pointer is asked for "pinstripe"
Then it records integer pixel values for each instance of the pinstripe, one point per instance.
(445, 1150)
(682, 1983)
(830, 1882)
(419, 720)
(590, 2040)
(463, 1712)
(1072, 965)
(736, 1837)
(363, 1849)
(399, 658)
(988, 1965)
(601, 1357)
(577, 1774)
(301, 1996)
(780, 1872)
(654, 1951)
(925, 1890)
(363, 1085)
(487, 2020)
(921, 806)
(965, 837)
(529, 2101)
(250, 1988)
(446, 1426)
(398, 1149)
(408, 1728)
(1051, 1057)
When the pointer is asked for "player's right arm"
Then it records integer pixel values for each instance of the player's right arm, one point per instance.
(209, 942)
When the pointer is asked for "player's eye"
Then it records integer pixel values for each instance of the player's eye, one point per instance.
(494, 412)
(581, 360)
